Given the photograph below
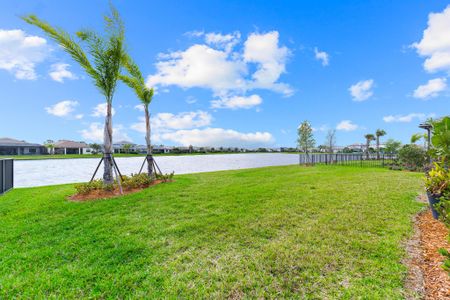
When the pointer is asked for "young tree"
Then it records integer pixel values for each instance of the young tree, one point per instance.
(369, 137)
(50, 145)
(127, 148)
(392, 146)
(96, 147)
(103, 67)
(305, 140)
(331, 140)
(136, 82)
(379, 133)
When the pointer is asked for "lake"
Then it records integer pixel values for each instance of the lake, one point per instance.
(29, 173)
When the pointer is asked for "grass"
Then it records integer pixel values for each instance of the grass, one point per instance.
(279, 232)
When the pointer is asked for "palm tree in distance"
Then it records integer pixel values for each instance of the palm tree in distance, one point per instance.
(136, 82)
(379, 133)
(369, 137)
(106, 55)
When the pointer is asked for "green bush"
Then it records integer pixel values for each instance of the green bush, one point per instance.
(165, 177)
(412, 157)
(136, 181)
(87, 187)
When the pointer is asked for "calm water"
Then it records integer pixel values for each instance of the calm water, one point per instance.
(29, 173)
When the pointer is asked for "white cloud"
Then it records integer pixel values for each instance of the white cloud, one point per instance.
(19, 53)
(95, 133)
(431, 89)
(407, 118)
(362, 90)
(200, 66)
(100, 110)
(346, 125)
(62, 109)
(263, 49)
(217, 137)
(435, 43)
(237, 102)
(59, 71)
(140, 107)
(322, 56)
(163, 122)
(223, 41)
(215, 66)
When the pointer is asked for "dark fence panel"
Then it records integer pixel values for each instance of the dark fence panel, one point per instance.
(6, 175)
(347, 159)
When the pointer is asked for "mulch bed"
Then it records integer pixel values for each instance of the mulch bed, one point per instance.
(426, 278)
(434, 235)
(102, 194)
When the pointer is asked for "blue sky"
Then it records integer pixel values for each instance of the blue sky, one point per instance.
(234, 73)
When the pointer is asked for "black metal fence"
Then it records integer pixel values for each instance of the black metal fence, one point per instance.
(348, 159)
(6, 175)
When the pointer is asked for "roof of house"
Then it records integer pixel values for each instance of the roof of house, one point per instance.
(121, 143)
(70, 144)
(9, 142)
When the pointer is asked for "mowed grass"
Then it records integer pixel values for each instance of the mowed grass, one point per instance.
(278, 232)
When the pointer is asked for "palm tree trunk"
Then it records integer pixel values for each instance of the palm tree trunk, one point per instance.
(107, 143)
(149, 145)
(367, 148)
(378, 147)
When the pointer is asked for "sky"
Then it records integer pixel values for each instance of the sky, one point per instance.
(233, 73)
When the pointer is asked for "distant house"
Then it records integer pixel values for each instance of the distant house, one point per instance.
(71, 147)
(9, 146)
(161, 149)
(120, 147)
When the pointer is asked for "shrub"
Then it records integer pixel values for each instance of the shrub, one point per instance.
(412, 157)
(165, 177)
(136, 181)
(87, 187)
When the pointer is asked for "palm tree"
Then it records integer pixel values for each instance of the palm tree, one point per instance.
(106, 57)
(136, 82)
(50, 145)
(379, 133)
(369, 137)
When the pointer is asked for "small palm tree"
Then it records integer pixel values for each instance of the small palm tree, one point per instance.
(369, 137)
(50, 145)
(379, 133)
(106, 57)
(136, 82)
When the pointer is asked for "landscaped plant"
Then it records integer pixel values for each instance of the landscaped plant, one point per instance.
(437, 180)
(136, 81)
(135, 181)
(412, 157)
(392, 146)
(165, 177)
(379, 133)
(369, 137)
(106, 55)
(305, 140)
(440, 139)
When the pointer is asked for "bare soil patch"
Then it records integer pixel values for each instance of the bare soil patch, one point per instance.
(103, 194)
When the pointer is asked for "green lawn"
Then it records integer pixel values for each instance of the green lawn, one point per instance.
(278, 232)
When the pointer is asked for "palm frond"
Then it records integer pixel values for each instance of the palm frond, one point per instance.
(65, 41)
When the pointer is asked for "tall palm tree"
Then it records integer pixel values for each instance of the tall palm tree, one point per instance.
(106, 58)
(369, 137)
(379, 133)
(136, 82)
